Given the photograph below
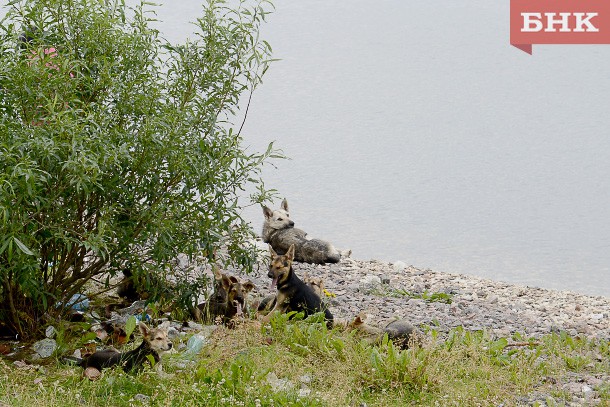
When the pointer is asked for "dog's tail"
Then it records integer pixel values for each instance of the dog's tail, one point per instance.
(73, 360)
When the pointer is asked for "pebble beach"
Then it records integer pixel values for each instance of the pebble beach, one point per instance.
(387, 291)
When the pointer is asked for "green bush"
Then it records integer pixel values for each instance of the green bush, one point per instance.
(118, 149)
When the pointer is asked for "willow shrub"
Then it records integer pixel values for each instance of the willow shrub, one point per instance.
(119, 149)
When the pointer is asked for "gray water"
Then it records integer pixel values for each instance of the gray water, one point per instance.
(417, 133)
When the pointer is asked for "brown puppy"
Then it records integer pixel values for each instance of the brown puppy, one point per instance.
(317, 284)
(227, 301)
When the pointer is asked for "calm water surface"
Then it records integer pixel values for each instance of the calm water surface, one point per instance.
(418, 134)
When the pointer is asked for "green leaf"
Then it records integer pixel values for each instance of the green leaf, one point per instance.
(498, 346)
(130, 326)
(23, 247)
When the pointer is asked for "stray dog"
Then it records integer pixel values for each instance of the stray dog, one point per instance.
(227, 301)
(402, 333)
(127, 288)
(142, 287)
(316, 284)
(155, 340)
(280, 233)
(292, 293)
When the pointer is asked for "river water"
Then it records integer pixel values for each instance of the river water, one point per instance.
(417, 133)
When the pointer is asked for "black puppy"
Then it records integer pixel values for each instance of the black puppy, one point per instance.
(292, 293)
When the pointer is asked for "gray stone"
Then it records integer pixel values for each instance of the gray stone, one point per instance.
(305, 379)
(594, 381)
(304, 391)
(172, 333)
(195, 326)
(573, 387)
(45, 347)
(134, 308)
(370, 280)
(143, 398)
(50, 332)
(278, 384)
(399, 266)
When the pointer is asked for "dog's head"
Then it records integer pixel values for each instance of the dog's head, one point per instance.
(316, 284)
(237, 291)
(278, 219)
(156, 337)
(279, 267)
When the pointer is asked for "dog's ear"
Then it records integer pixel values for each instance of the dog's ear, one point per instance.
(217, 273)
(248, 286)
(144, 330)
(233, 280)
(272, 252)
(357, 321)
(290, 252)
(284, 205)
(267, 212)
(226, 283)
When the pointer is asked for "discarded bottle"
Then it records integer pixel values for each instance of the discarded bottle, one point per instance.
(79, 302)
(194, 345)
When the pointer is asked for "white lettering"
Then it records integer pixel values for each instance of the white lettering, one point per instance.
(528, 21)
(580, 22)
(551, 21)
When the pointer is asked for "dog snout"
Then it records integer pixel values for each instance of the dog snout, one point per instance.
(291, 224)
(270, 274)
(170, 345)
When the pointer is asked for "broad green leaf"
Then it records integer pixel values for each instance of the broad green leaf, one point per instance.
(130, 326)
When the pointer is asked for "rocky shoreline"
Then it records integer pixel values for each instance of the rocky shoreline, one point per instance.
(386, 291)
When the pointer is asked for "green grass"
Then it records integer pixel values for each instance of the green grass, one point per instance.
(321, 367)
(401, 293)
